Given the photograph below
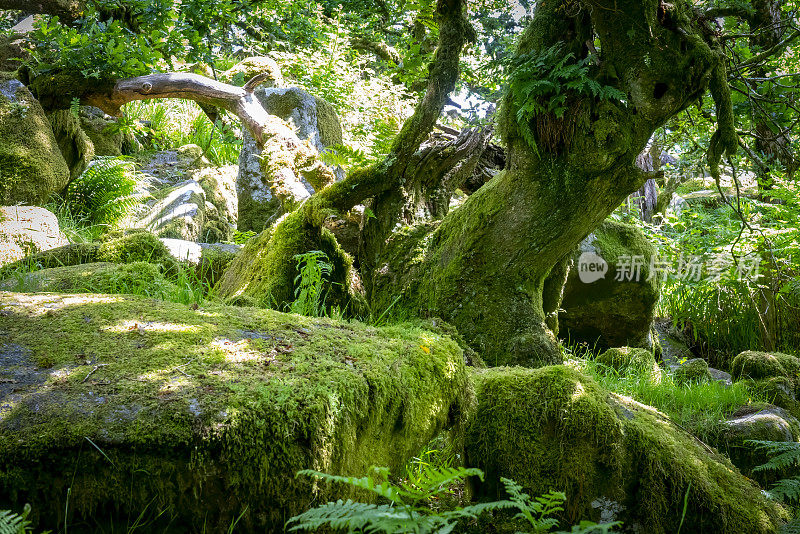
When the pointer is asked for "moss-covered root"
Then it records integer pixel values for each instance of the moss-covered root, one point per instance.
(207, 413)
(554, 428)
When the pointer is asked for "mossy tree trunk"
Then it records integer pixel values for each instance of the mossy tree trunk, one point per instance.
(484, 267)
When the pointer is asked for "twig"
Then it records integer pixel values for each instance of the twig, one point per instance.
(96, 367)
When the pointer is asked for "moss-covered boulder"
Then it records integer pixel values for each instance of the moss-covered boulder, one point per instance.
(75, 145)
(106, 138)
(759, 365)
(757, 422)
(693, 371)
(206, 413)
(628, 359)
(264, 272)
(773, 375)
(202, 208)
(313, 119)
(31, 164)
(128, 247)
(138, 278)
(610, 295)
(554, 428)
(26, 230)
(249, 67)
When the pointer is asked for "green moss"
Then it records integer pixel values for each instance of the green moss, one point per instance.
(265, 269)
(138, 246)
(554, 428)
(216, 405)
(31, 164)
(242, 72)
(694, 370)
(610, 313)
(72, 254)
(137, 278)
(758, 365)
(75, 145)
(630, 359)
(106, 141)
(213, 264)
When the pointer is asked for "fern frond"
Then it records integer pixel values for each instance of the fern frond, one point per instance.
(781, 454)
(434, 480)
(792, 527)
(11, 523)
(382, 489)
(351, 516)
(786, 490)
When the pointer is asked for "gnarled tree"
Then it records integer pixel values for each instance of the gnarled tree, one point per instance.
(590, 83)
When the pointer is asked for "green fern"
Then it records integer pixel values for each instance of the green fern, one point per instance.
(782, 456)
(313, 268)
(105, 193)
(407, 508)
(11, 523)
(543, 82)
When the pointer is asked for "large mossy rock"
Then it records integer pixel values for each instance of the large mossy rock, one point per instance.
(130, 247)
(202, 208)
(26, 230)
(313, 119)
(555, 428)
(138, 278)
(31, 164)
(249, 67)
(758, 422)
(603, 311)
(774, 375)
(206, 413)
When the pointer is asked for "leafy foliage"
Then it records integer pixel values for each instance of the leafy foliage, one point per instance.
(313, 269)
(105, 193)
(408, 509)
(544, 82)
(782, 456)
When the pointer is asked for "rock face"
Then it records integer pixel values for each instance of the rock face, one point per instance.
(207, 412)
(614, 458)
(202, 208)
(608, 299)
(27, 230)
(313, 119)
(31, 164)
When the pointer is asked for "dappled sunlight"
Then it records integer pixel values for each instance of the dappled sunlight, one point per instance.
(36, 304)
(237, 351)
(142, 327)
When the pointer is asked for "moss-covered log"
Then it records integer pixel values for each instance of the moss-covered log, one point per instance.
(205, 413)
